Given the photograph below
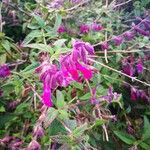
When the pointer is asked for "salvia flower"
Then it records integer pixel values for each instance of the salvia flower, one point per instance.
(4, 71)
(128, 69)
(141, 31)
(134, 93)
(34, 145)
(104, 45)
(118, 40)
(139, 67)
(61, 29)
(128, 35)
(84, 28)
(96, 27)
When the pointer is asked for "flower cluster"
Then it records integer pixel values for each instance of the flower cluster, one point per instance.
(4, 71)
(129, 67)
(72, 65)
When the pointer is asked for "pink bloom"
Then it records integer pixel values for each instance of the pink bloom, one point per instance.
(4, 71)
(46, 97)
(87, 73)
(34, 145)
(118, 40)
(140, 67)
(128, 35)
(96, 27)
(84, 28)
(61, 29)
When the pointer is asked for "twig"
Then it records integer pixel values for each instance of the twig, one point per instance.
(122, 3)
(133, 78)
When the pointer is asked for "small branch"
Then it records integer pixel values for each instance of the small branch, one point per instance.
(112, 69)
(122, 3)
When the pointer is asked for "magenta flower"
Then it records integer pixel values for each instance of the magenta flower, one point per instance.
(139, 67)
(129, 35)
(87, 73)
(147, 24)
(128, 68)
(61, 29)
(4, 71)
(84, 28)
(141, 31)
(104, 45)
(118, 40)
(96, 27)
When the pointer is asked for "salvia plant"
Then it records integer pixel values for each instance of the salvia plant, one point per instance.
(74, 75)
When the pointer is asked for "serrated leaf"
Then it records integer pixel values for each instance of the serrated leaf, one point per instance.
(128, 139)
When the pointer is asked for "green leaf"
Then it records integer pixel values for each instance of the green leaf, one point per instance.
(85, 97)
(128, 139)
(2, 109)
(146, 133)
(39, 20)
(59, 42)
(42, 47)
(80, 130)
(30, 68)
(2, 59)
(78, 85)
(63, 114)
(57, 22)
(60, 99)
(6, 45)
(145, 146)
(51, 115)
(31, 36)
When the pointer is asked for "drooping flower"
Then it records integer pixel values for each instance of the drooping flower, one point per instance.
(61, 29)
(128, 35)
(96, 27)
(4, 71)
(141, 31)
(87, 72)
(104, 46)
(84, 28)
(128, 69)
(118, 40)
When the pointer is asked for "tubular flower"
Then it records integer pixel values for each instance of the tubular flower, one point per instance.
(129, 35)
(4, 71)
(141, 31)
(139, 67)
(96, 27)
(118, 40)
(84, 28)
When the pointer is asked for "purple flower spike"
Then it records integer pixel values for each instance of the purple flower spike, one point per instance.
(96, 27)
(4, 71)
(61, 29)
(128, 35)
(104, 46)
(128, 69)
(140, 67)
(84, 28)
(118, 40)
(141, 31)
